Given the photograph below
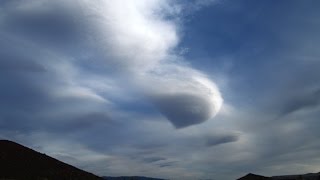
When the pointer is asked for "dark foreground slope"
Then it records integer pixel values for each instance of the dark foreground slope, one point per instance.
(19, 162)
(254, 177)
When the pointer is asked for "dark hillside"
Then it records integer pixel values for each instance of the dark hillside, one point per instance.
(253, 177)
(19, 162)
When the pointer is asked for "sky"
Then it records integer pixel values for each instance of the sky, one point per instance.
(199, 89)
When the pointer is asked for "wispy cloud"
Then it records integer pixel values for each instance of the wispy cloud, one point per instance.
(110, 78)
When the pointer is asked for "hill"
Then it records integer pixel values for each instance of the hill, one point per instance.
(19, 162)
(251, 176)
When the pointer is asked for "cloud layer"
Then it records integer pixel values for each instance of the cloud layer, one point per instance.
(133, 39)
(135, 87)
(139, 41)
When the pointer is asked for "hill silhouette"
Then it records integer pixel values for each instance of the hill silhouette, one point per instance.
(251, 176)
(19, 162)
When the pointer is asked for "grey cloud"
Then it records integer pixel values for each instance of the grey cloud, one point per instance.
(16, 56)
(301, 101)
(15, 63)
(30, 78)
(153, 159)
(167, 164)
(45, 98)
(80, 122)
(39, 22)
(215, 140)
(184, 109)
(122, 50)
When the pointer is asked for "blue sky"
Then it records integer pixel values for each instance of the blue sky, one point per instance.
(204, 89)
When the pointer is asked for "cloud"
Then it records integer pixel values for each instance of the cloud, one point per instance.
(153, 159)
(133, 35)
(301, 101)
(185, 96)
(138, 41)
(134, 40)
(13, 63)
(222, 139)
(68, 70)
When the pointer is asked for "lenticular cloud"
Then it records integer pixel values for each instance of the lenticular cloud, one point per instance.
(187, 101)
(140, 41)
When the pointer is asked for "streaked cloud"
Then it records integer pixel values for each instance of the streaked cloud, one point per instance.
(163, 88)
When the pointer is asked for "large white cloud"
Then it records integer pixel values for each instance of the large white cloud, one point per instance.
(135, 39)
(139, 39)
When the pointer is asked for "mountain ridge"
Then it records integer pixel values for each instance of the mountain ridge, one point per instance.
(20, 162)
